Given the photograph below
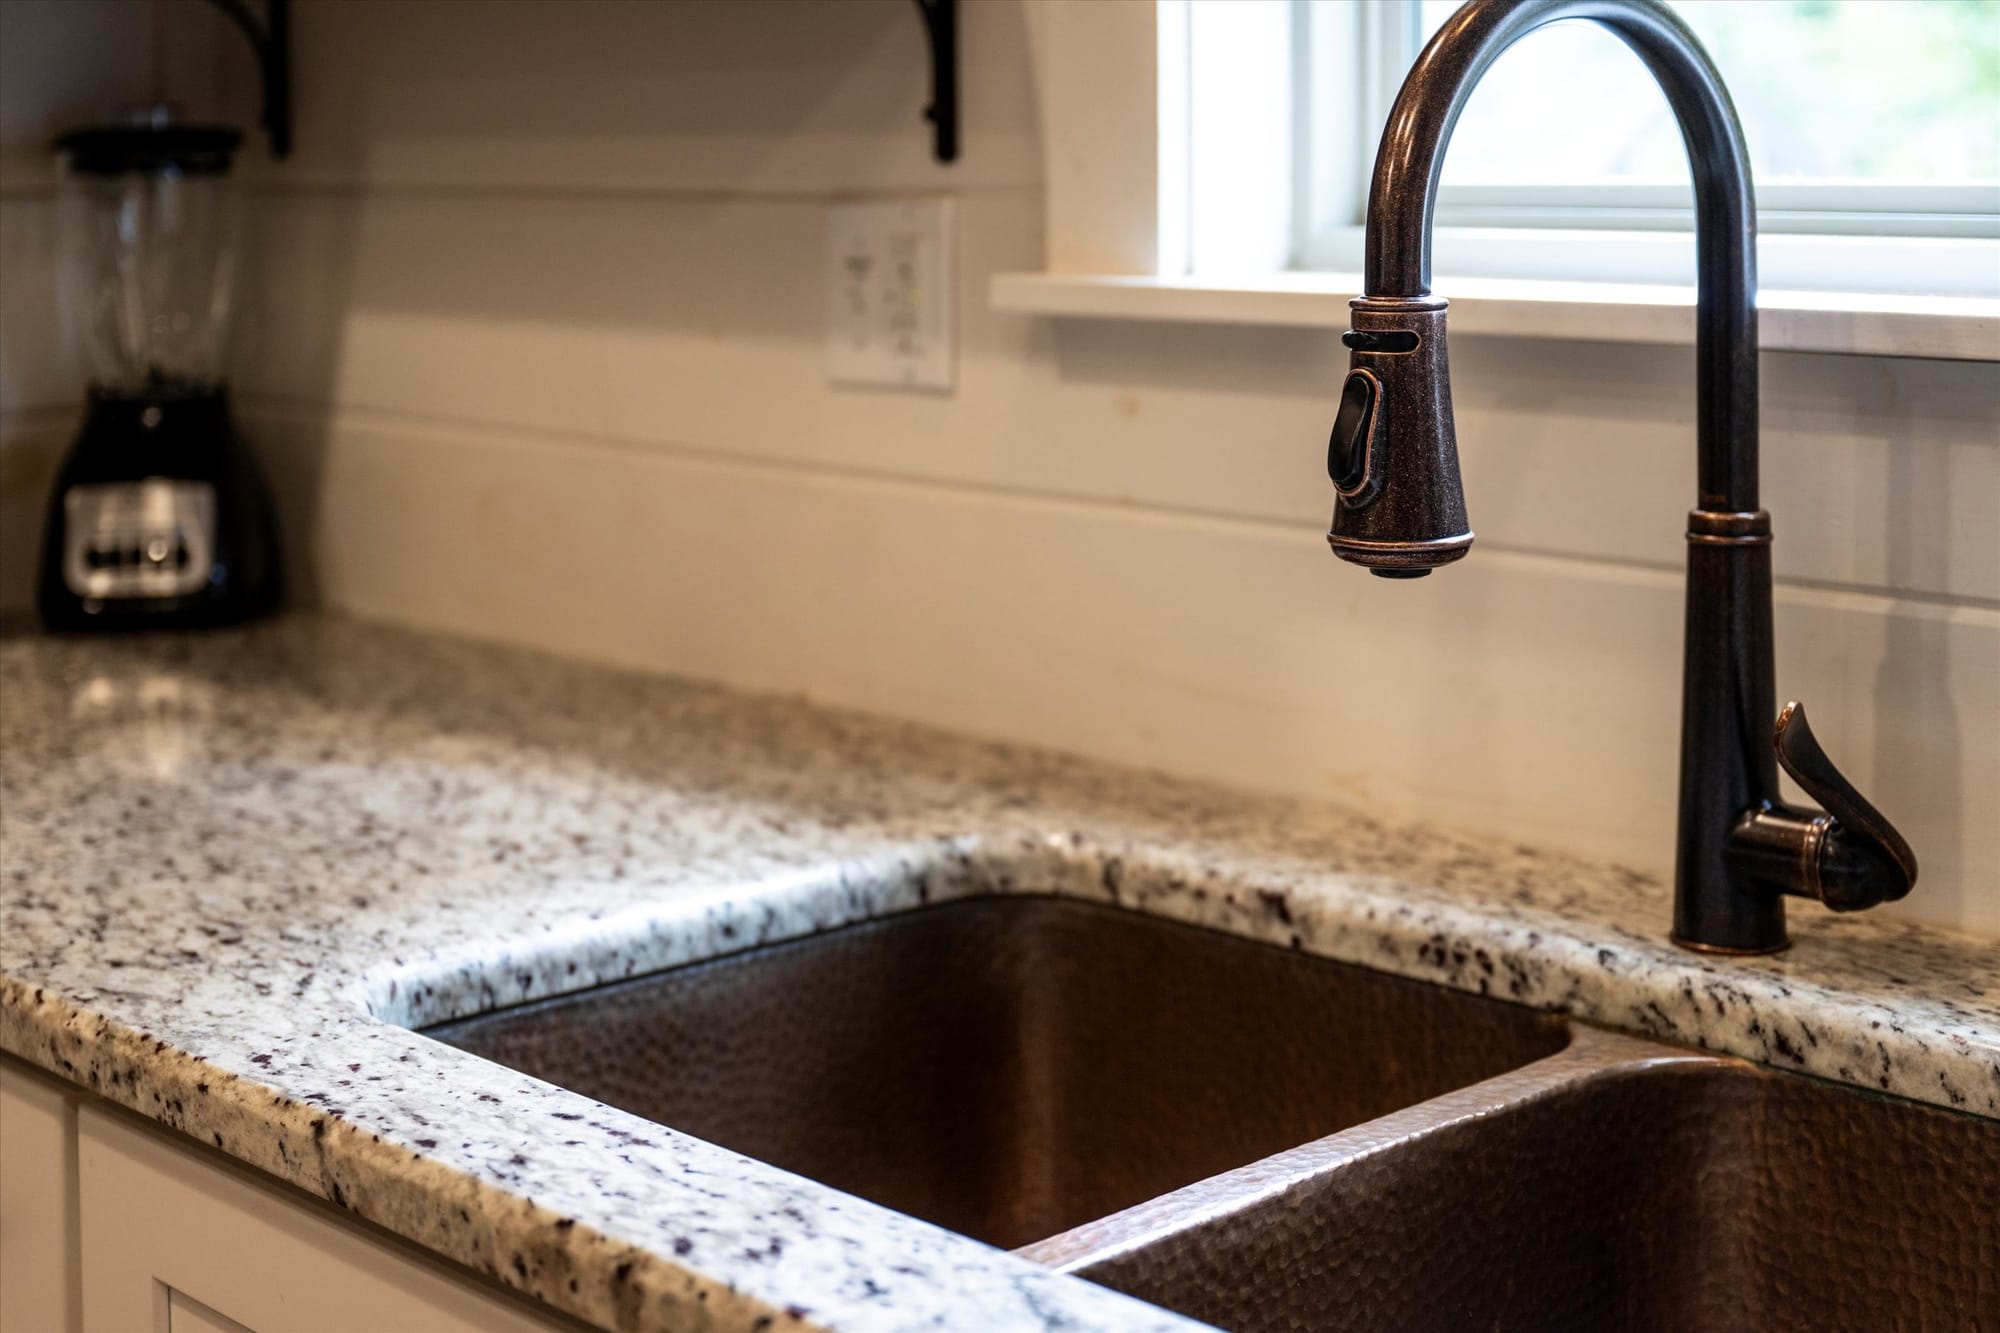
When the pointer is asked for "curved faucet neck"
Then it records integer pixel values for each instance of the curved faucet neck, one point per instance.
(1404, 194)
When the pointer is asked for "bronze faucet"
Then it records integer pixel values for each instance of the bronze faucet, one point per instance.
(1401, 506)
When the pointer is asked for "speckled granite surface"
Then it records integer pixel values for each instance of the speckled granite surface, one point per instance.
(232, 867)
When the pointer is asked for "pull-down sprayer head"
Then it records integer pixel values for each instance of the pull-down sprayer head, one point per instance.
(1393, 456)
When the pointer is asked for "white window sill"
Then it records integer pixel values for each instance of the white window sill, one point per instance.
(1863, 324)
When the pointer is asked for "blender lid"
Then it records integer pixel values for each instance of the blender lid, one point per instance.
(116, 150)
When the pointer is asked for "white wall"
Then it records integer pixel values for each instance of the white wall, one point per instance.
(535, 353)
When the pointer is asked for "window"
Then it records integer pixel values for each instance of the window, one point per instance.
(1874, 131)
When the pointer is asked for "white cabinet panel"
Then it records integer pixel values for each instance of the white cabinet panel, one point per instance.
(38, 1205)
(172, 1242)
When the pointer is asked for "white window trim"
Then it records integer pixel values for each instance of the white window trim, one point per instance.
(1945, 328)
(1116, 176)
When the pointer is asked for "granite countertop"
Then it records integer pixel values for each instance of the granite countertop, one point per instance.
(233, 867)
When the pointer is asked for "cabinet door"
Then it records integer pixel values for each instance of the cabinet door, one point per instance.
(174, 1242)
(38, 1211)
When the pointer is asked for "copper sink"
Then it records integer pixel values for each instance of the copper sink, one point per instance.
(1013, 1067)
(1619, 1185)
(1270, 1141)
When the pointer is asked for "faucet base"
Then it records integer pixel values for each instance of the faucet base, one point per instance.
(1694, 946)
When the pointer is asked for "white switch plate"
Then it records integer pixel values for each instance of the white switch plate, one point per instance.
(889, 298)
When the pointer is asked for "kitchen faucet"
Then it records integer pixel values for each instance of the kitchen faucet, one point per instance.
(1400, 510)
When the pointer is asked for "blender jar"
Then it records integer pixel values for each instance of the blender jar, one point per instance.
(148, 226)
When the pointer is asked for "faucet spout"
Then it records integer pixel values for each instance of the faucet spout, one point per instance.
(1400, 508)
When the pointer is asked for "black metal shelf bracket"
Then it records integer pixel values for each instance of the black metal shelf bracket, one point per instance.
(271, 43)
(941, 27)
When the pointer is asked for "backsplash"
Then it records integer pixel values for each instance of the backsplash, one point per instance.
(534, 348)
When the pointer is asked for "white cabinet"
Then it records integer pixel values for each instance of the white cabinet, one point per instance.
(174, 1241)
(38, 1215)
(111, 1225)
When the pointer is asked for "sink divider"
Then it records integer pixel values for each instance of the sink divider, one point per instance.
(1592, 1053)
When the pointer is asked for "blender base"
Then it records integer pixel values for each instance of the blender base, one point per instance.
(159, 517)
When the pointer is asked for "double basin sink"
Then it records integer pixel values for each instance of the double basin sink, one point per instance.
(1266, 1140)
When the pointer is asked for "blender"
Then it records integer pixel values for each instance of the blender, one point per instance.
(159, 516)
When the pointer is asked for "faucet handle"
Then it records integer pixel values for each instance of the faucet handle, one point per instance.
(1862, 860)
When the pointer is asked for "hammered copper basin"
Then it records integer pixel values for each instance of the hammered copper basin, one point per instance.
(1664, 1193)
(1012, 1067)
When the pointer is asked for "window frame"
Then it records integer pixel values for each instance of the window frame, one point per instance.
(1115, 243)
(1928, 239)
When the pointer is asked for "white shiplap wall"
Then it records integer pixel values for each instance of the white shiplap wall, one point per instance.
(534, 348)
